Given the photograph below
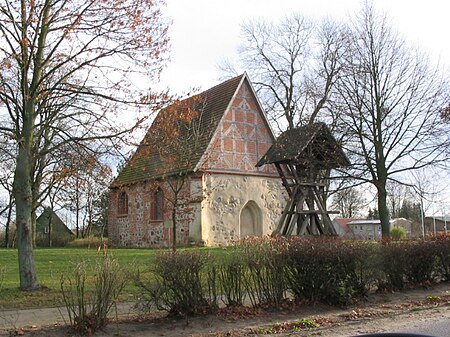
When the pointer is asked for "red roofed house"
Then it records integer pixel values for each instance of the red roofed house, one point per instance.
(341, 226)
(225, 198)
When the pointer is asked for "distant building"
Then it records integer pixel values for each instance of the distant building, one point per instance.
(50, 221)
(365, 229)
(406, 224)
(341, 226)
(436, 224)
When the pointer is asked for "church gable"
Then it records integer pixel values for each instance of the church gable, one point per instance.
(242, 137)
(207, 109)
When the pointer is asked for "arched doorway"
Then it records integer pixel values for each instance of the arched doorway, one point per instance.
(250, 220)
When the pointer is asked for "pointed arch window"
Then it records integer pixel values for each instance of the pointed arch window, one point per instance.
(156, 212)
(122, 203)
(250, 220)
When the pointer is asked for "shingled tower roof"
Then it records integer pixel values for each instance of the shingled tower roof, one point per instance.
(309, 146)
(146, 164)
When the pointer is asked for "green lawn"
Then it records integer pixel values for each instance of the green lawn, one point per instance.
(51, 263)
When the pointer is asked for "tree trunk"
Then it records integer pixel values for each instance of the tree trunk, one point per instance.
(50, 229)
(24, 210)
(33, 223)
(6, 242)
(174, 225)
(383, 210)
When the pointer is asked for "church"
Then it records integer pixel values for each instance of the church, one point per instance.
(223, 196)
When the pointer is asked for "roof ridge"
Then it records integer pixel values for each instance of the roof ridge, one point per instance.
(221, 84)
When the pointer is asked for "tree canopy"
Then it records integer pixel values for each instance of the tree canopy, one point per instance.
(68, 70)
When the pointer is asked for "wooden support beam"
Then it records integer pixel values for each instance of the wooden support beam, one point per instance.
(286, 184)
(304, 225)
(314, 211)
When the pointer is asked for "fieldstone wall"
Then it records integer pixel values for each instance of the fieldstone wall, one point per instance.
(228, 195)
(136, 229)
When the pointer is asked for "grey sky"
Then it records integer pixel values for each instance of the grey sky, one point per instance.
(206, 31)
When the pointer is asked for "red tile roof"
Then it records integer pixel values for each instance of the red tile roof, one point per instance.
(343, 222)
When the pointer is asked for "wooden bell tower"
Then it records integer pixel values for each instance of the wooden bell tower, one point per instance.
(304, 157)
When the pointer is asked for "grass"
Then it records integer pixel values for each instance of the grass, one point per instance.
(51, 263)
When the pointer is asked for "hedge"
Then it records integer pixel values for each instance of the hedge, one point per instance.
(266, 271)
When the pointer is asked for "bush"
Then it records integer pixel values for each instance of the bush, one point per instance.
(392, 262)
(358, 261)
(91, 241)
(265, 261)
(232, 280)
(264, 270)
(328, 269)
(407, 262)
(442, 250)
(398, 233)
(420, 261)
(88, 310)
(184, 284)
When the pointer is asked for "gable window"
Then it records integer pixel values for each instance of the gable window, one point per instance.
(122, 204)
(156, 212)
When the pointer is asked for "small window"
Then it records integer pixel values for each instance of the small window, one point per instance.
(46, 230)
(157, 206)
(122, 203)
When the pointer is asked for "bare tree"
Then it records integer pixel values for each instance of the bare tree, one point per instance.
(349, 202)
(293, 65)
(397, 193)
(67, 69)
(392, 100)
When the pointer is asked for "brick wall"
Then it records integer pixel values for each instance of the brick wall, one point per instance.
(242, 138)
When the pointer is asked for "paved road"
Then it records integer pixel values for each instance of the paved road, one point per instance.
(45, 316)
(436, 324)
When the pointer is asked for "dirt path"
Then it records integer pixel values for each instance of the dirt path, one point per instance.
(400, 311)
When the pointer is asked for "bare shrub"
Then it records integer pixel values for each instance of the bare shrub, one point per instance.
(88, 309)
(89, 242)
(183, 283)
(232, 279)
(265, 261)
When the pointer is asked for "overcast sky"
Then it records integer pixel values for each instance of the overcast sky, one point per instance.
(206, 31)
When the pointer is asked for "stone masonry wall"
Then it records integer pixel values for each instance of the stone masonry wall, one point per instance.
(228, 196)
(136, 229)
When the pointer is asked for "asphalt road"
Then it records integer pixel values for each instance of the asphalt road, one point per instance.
(436, 325)
(434, 322)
